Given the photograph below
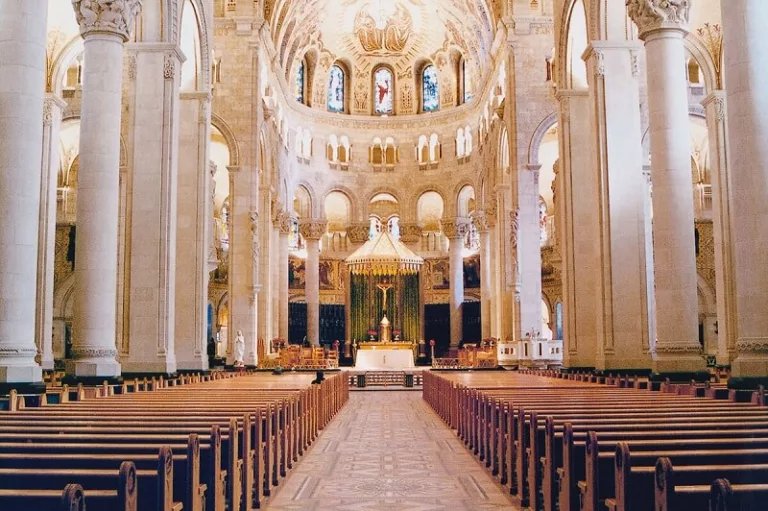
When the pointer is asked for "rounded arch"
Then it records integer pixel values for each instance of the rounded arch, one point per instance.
(337, 210)
(503, 155)
(346, 86)
(571, 69)
(63, 297)
(707, 66)
(204, 14)
(383, 189)
(707, 295)
(229, 136)
(354, 206)
(538, 135)
(304, 198)
(63, 61)
(465, 200)
(430, 209)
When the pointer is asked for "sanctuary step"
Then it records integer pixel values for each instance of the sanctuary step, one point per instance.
(386, 378)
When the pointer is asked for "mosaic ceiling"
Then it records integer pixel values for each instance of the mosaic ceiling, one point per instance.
(367, 32)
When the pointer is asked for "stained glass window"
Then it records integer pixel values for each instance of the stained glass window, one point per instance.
(430, 89)
(336, 89)
(382, 91)
(300, 83)
(467, 85)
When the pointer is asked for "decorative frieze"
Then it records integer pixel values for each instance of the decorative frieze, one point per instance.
(106, 16)
(169, 66)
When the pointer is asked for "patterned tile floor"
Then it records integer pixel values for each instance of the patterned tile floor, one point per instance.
(388, 451)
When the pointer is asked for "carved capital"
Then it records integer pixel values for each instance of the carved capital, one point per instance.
(410, 232)
(455, 228)
(358, 233)
(106, 16)
(650, 15)
(481, 222)
(313, 229)
(284, 223)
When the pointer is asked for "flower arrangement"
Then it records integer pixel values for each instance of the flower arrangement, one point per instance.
(372, 335)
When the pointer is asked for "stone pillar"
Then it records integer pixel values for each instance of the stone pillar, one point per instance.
(663, 27)
(104, 30)
(482, 223)
(149, 344)
(746, 51)
(194, 208)
(580, 236)
(275, 273)
(725, 285)
(527, 244)
(53, 107)
(313, 230)
(22, 82)
(243, 261)
(506, 261)
(621, 271)
(282, 280)
(264, 301)
(455, 229)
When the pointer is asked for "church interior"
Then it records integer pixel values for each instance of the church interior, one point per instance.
(461, 254)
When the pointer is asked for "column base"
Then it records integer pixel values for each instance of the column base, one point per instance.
(21, 374)
(47, 365)
(682, 363)
(192, 366)
(750, 366)
(90, 368)
(148, 368)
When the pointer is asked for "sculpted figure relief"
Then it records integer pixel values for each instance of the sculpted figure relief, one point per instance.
(646, 13)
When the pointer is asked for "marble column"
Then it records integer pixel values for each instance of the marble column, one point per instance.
(104, 30)
(622, 270)
(455, 229)
(715, 107)
(22, 82)
(275, 273)
(46, 251)
(194, 208)
(313, 230)
(282, 281)
(482, 223)
(506, 260)
(663, 28)
(580, 236)
(746, 80)
(149, 343)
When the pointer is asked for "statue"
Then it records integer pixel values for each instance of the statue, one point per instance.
(239, 349)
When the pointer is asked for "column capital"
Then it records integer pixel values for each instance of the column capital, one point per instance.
(410, 232)
(50, 102)
(718, 98)
(455, 227)
(114, 17)
(654, 15)
(313, 229)
(482, 221)
(284, 221)
(358, 232)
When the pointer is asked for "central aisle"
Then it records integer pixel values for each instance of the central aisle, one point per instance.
(388, 451)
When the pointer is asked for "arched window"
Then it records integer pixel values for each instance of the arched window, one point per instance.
(559, 320)
(467, 141)
(375, 227)
(383, 91)
(430, 91)
(422, 150)
(344, 149)
(393, 227)
(460, 143)
(300, 83)
(434, 147)
(336, 89)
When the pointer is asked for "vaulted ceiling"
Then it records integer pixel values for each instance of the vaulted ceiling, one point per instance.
(399, 32)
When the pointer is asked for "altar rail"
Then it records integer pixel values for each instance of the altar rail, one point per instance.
(386, 378)
(297, 357)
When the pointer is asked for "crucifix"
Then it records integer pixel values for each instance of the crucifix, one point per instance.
(384, 286)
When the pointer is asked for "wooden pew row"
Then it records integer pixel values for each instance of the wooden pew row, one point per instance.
(285, 419)
(22, 490)
(456, 408)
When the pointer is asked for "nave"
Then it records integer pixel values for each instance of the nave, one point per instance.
(389, 450)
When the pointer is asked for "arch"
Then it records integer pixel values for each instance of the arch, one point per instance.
(503, 160)
(538, 135)
(204, 14)
(189, 42)
(708, 295)
(63, 61)
(430, 209)
(63, 297)
(465, 200)
(572, 69)
(300, 82)
(229, 136)
(354, 206)
(383, 89)
(706, 65)
(383, 190)
(694, 111)
(304, 198)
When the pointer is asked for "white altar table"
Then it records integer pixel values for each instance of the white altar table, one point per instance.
(377, 359)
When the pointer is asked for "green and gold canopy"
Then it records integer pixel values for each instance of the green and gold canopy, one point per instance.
(384, 255)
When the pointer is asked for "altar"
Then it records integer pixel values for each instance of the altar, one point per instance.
(389, 356)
